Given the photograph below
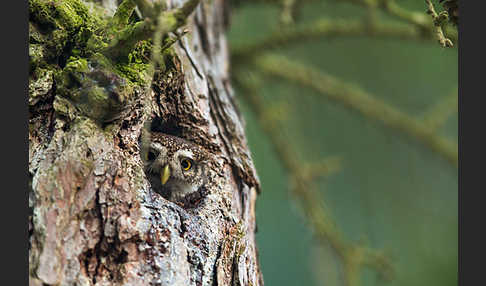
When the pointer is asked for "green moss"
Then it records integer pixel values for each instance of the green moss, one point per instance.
(96, 43)
(127, 38)
(135, 72)
(135, 69)
(94, 87)
(71, 76)
(141, 52)
(70, 43)
(65, 24)
(78, 65)
(69, 24)
(67, 14)
(123, 13)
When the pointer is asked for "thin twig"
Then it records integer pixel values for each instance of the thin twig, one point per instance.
(357, 99)
(439, 113)
(416, 18)
(393, 9)
(288, 11)
(162, 23)
(324, 168)
(330, 28)
(439, 21)
(353, 256)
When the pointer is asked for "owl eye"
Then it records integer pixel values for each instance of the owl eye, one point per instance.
(152, 155)
(186, 164)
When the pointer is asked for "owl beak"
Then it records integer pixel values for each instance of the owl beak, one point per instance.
(165, 174)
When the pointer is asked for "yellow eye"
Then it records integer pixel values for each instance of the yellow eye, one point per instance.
(186, 164)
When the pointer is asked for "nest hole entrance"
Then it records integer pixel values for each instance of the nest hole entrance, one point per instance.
(167, 126)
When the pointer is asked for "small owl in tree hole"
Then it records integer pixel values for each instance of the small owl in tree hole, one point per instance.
(176, 168)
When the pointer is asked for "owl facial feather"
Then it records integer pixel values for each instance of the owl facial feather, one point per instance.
(175, 167)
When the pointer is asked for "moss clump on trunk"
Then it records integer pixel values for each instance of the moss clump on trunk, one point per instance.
(96, 66)
(67, 41)
(63, 26)
(94, 88)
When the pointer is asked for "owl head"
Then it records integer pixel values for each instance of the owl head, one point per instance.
(174, 167)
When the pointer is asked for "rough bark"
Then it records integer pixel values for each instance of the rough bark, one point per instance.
(94, 218)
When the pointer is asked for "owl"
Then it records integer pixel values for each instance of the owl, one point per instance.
(176, 168)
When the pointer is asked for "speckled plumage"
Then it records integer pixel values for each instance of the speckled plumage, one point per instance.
(183, 186)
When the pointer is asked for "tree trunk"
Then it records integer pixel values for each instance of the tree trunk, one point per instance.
(94, 218)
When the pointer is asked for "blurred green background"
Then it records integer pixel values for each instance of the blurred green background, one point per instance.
(392, 192)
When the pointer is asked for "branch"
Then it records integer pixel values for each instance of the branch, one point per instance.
(393, 9)
(358, 100)
(163, 23)
(126, 39)
(452, 7)
(438, 114)
(439, 20)
(419, 28)
(304, 189)
(415, 18)
(324, 168)
(287, 15)
(330, 28)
